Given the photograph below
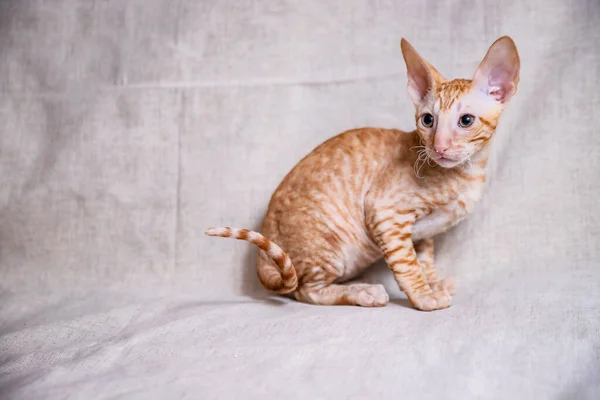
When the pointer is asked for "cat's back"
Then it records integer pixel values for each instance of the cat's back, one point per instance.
(351, 155)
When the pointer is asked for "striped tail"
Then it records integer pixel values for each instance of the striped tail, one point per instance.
(282, 279)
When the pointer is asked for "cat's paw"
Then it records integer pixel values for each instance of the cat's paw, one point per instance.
(447, 284)
(434, 301)
(373, 296)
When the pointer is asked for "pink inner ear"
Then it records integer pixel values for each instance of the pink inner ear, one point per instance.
(418, 82)
(500, 82)
(497, 93)
(419, 87)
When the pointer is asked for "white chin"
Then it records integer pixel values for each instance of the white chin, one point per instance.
(445, 163)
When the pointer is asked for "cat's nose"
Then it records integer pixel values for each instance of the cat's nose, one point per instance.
(440, 149)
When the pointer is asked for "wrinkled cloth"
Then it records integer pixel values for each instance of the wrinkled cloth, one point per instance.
(128, 127)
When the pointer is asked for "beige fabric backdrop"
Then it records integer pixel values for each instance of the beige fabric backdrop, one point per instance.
(128, 127)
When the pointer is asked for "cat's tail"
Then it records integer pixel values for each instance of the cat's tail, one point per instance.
(281, 279)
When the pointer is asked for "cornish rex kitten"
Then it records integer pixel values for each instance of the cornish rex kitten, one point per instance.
(370, 192)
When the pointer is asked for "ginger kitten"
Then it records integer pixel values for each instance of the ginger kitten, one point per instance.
(369, 192)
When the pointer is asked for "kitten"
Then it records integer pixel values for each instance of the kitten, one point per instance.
(368, 193)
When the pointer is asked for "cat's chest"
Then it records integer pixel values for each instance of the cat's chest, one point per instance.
(449, 214)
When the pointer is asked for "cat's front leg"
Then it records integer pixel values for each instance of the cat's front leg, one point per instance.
(425, 252)
(392, 232)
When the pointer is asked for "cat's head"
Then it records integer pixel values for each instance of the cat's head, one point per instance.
(456, 119)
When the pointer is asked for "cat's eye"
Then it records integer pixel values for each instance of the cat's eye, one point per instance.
(427, 120)
(466, 120)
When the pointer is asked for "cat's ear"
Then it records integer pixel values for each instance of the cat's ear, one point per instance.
(498, 74)
(422, 76)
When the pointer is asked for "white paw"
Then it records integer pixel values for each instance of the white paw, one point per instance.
(373, 296)
(435, 301)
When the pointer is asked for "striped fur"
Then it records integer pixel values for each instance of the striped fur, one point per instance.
(372, 193)
(282, 280)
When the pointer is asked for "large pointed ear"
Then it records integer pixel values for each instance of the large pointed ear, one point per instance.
(422, 77)
(498, 74)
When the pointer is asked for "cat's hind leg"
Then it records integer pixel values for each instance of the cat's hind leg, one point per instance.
(323, 279)
(351, 294)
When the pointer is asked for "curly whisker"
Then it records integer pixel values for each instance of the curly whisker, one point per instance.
(420, 161)
(417, 147)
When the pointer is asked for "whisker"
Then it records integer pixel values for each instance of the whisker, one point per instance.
(416, 169)
(419, 162)
(423, 156)
(419, 169)
(417, 147)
